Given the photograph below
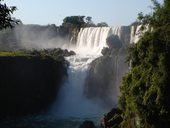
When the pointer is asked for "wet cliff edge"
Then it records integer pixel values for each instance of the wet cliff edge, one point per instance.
(29, 83)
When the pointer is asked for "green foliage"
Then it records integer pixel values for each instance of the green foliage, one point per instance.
(102, 24)
(13, 53)
(74, 21)
(89, 22)
(145, 90)
(73, 24)
(81, 21)
(5, 16)
(56, 53)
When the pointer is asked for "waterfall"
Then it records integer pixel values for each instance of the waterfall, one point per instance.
(136, 33)
(92, 40)
(71, 101)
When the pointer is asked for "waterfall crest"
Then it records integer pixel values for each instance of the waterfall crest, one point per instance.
(92, 40)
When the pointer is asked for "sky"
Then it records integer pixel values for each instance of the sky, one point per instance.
(113, 12)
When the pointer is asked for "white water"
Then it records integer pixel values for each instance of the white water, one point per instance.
(92, 40)
(136, 33)
(71, 100)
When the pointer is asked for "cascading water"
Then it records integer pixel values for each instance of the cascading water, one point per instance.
(136, 33)
(71, 100)
(92, 40)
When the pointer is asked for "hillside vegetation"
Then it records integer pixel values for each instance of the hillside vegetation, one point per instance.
(145, 90)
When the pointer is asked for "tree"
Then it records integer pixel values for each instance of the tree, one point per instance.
(145, 88)
(73, 24)
(89, 22)
(5, 16)
(102, 24)
(74, 21)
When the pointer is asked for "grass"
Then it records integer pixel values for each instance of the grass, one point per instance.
(13, 53)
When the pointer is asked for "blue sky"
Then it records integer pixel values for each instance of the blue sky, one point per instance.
(114, 12)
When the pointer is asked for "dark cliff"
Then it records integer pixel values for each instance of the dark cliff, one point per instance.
(28, 84)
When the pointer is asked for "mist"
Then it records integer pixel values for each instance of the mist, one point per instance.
(31, 37)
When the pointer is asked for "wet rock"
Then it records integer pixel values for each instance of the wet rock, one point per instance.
(104, 76)
(87, 124)
(105, 73)
(114, 42)
(112, 119)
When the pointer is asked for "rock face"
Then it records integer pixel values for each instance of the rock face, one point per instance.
(112, 119)
(87, 124)
(28, 84)
(104, 77)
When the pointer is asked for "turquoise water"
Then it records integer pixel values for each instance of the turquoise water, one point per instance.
(44, 121)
